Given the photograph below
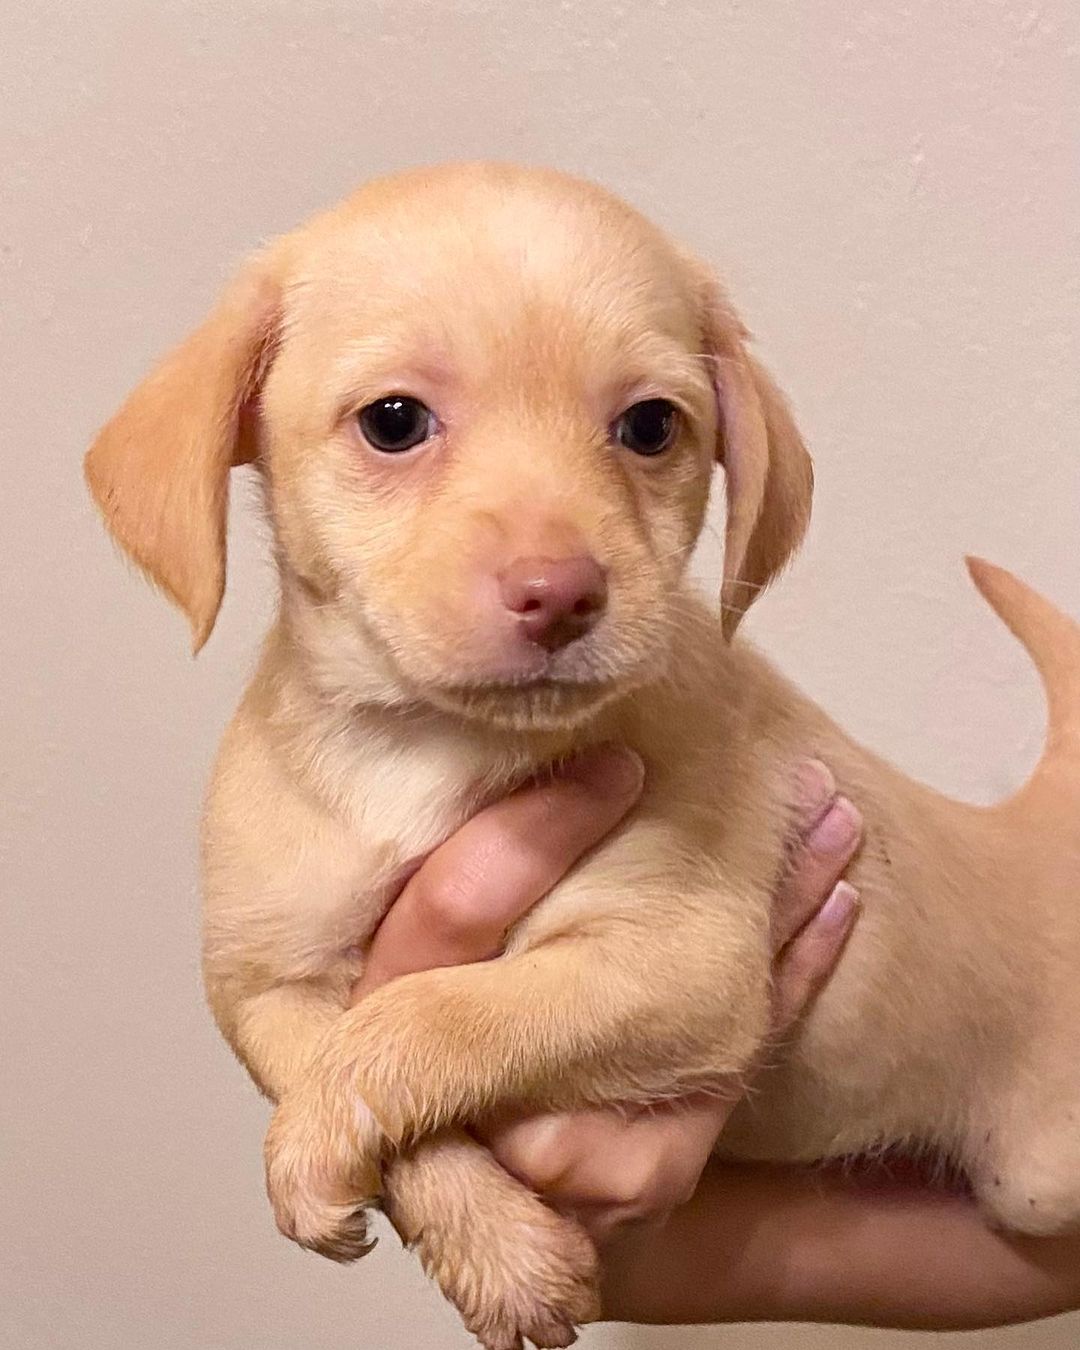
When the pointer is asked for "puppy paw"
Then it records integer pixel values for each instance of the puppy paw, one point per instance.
(321, 1178)
(1028, 1201)
(1025, 1168)
(519, 1273)
(539, 1284)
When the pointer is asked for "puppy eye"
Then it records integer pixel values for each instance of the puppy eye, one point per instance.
(647, 428)
(396, 423)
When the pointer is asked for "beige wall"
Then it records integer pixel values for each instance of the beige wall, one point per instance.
(892, 191)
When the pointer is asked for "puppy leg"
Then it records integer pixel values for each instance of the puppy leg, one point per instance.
(510, 1265)
(598, 1017)
(498, 1253)
(1026, 1172)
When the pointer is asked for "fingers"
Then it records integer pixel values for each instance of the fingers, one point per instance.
(459, 905)
(829, 832)
(610, 1169)
(809, 958)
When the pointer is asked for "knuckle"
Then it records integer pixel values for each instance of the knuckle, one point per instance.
(814, 790)
(664, 1175)
(545, 1170)
(639, 1189)
(538, 1155)
(447, 904)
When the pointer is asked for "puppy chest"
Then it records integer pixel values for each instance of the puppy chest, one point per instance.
(323, 919)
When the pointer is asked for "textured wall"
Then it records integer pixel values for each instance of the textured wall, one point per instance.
(892, 192)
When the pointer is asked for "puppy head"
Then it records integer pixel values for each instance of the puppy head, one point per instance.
(486, 403)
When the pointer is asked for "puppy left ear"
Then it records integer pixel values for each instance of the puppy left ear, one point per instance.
(159, 470)
(769, 475)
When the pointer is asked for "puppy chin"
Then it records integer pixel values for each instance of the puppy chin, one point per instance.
(540, 706)
(566, 695)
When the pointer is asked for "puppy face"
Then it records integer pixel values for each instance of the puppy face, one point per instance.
(486, 403)
(451, 462)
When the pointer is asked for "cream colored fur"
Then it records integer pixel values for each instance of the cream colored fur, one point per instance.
(529, 309)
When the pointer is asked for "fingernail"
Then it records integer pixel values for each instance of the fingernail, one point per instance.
(837, 829)
(815, 788)
(839, 911)
(611, 769)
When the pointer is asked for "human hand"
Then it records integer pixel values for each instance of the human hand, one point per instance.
(610, 1167)
(756, 1242)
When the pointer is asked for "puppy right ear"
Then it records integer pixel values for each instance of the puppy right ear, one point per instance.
(159, 470)
(769, 476)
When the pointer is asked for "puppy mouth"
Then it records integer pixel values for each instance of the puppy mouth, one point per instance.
(533, 689)
(528, 684)
(538, 702)
(545, 691)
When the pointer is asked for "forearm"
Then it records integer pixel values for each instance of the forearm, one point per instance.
(276, 1032)
(779, 1244)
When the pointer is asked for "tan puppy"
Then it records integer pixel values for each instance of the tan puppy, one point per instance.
(484, 404)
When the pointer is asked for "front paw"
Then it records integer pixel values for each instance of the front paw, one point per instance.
(538, 1282)
(322, 1174)
(514, 1269)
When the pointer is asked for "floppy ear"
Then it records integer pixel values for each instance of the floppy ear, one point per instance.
(159, 470)
(769, 476)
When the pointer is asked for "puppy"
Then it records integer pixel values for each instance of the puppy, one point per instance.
(484, 404)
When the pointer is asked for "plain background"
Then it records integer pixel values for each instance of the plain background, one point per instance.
(891, 191)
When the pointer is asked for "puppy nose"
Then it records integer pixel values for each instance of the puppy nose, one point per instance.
(556, 600)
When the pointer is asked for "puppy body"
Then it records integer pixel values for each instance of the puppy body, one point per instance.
(930, 1012)
(393, 698)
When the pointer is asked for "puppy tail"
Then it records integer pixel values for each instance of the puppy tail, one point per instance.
(1052, 640)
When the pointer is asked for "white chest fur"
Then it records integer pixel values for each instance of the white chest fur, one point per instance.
(308, 844)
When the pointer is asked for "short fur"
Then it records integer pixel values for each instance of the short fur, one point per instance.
(529, 309)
